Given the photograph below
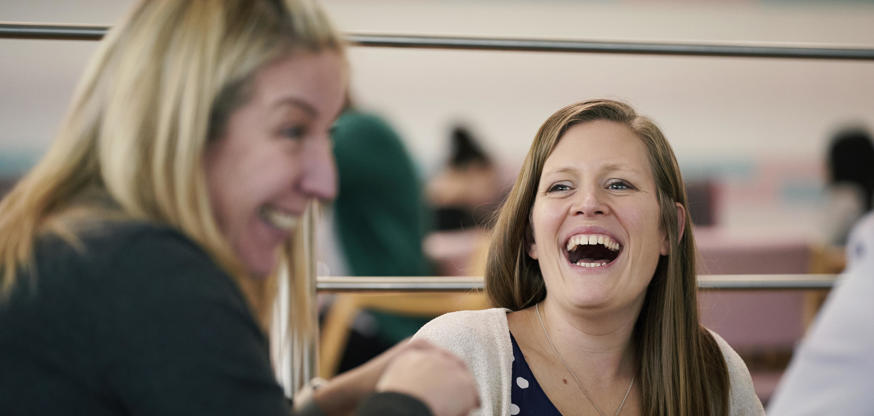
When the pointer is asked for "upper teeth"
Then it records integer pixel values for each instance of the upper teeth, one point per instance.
(279, 219)
(592, 239)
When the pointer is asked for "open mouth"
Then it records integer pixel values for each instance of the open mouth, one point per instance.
(592, 250)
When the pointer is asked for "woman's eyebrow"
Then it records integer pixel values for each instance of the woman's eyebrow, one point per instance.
(608, 167)
(612, 167)
(298, 103)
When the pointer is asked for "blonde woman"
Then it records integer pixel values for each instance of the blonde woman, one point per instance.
(592, 264)
(138, 257)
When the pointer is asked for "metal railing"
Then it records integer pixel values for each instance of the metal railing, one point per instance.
(81, 32)
(472, 283)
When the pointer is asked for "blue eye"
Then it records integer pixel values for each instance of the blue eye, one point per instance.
(559, 187)
(619, 185)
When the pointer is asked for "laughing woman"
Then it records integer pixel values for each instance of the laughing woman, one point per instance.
(592, 263)
(138, 258)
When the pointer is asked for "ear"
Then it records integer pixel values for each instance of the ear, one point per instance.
(681, 226)
(529, 240)
(532, 250)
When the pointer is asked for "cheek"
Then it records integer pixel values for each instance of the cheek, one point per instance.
(218, 178)
(646, 223)
(239, 183)
(269, 179)
(545, 220)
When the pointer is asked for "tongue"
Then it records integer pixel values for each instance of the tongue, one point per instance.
(591, 254)
(588, 260)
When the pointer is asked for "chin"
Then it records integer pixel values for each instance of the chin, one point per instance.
(261, 267)
(588, 303)
(586, 298)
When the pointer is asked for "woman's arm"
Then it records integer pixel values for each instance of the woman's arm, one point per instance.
(410, 378)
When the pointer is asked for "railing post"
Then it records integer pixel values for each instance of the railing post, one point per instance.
(305, 352)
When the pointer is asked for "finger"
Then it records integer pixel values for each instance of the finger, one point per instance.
(420, 343)
(401, 347)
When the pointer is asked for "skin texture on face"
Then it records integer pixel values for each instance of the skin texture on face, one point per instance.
(275, 156)
(597, 181)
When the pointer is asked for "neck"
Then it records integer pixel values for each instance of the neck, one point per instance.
(599, 346)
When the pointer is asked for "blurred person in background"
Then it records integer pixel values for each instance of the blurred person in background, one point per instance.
(465, 194)
(375, 226)
(850, 182)
(464, 197)
(832, 371)
(139, 257)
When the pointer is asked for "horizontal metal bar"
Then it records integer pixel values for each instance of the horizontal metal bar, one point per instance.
(78, 32)
(471, 283)
(53, 32)
(766, 281)
(634, 48)
(401, 284)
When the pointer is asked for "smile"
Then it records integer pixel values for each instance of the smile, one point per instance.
(278, 219)
(592, 250)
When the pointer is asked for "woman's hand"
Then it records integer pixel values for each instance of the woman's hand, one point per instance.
(343, 393)
(435, 376)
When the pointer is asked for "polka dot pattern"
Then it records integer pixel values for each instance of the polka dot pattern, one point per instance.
(526, 396)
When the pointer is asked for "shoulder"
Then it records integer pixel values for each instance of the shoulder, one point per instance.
(139, 247)
(133, 262)
(732, 359)
(452, 324)
(482, 339)
(155, 260)
(141, 304)
(102, 248)
(352, 123)
(860, 245)
(742, 395)
(364, 140)
(120, 237)
(97, 240)
(469, 332)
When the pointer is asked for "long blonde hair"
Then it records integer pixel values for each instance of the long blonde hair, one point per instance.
(157, 92)
(682, 370)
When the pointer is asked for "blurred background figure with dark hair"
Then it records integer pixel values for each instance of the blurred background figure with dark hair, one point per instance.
(850, 181)
(465, 194)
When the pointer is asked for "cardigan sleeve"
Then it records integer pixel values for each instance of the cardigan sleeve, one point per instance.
(743, 400)
(482, 340)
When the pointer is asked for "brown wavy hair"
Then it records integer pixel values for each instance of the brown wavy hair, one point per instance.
(682, 371)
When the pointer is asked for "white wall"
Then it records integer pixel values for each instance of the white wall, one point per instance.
(707, 106)
(716, 111)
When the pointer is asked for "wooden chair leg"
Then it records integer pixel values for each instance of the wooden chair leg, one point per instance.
(335, 332)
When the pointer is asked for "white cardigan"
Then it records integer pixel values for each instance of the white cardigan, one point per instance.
(482, 340)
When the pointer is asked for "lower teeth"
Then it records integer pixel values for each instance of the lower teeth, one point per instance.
(584, 264)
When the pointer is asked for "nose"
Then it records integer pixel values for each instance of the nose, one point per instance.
(319, 176)
(590, 202)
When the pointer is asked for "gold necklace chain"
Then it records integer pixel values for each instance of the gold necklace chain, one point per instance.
(577, 380)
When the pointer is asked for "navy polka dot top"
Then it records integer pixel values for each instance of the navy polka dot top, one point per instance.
(526, 397)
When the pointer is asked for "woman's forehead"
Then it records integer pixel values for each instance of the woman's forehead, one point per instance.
(599, 145)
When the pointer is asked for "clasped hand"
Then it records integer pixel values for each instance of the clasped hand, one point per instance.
(417, 368)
